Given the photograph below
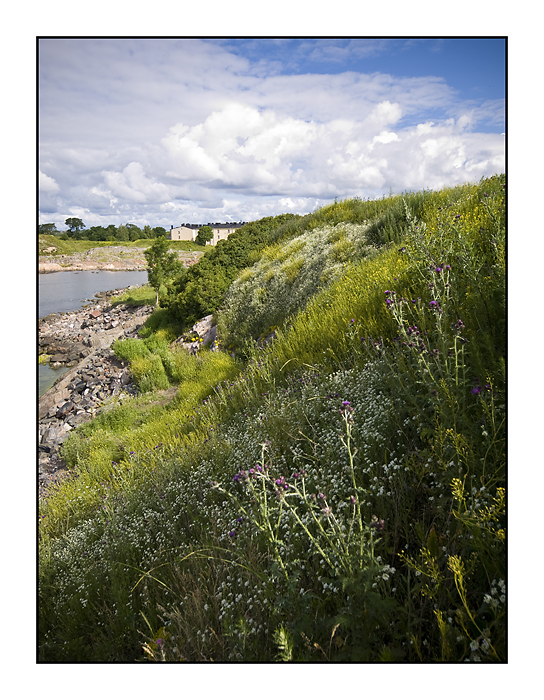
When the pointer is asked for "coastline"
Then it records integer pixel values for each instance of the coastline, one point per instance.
(81, 340)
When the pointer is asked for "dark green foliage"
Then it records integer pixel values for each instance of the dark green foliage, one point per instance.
(74, 224)
(204, 235)
(48, 229)
(202, 289)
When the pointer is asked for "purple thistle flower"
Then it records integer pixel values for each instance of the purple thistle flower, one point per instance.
(476, 390)
(377, 524)
(438, 269)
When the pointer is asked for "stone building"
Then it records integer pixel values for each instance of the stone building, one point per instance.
(188, 232)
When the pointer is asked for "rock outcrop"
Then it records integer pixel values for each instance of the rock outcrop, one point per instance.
(115, 258)
(69, 337)
(202, 334)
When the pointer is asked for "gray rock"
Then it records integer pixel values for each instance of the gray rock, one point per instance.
(65, 409)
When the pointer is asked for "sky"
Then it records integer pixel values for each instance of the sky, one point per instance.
(169, 131)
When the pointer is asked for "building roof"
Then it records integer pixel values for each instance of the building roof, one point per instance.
(231, 224)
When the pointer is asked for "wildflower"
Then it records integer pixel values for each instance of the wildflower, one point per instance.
(438, 269)
(327, 511)
(476, 390)
(377, 524)
(352, 500)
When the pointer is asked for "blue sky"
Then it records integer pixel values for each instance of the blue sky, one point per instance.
(169, 131)
(474, 67)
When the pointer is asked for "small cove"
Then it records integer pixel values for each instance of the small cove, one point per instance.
(69, 291)
(60, 292)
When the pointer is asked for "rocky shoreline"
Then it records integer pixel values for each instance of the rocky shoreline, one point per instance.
(81, 340)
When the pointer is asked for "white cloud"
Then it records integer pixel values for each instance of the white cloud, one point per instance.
(264, 153)
(132, 184)
(47, 184)
(159, 128)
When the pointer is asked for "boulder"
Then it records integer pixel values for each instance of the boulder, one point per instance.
(65, 409)
(58, 359)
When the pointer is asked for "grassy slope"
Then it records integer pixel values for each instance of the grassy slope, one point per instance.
(128, 537)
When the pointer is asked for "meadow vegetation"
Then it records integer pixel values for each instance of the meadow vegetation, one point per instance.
(335, 494)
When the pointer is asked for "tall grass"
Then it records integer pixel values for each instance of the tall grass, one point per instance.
(342, 498)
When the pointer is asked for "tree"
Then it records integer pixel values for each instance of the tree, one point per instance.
(49, 229)
(98, 233)
(204, 235)
(159, 232)
(112, 232)
(134, 232)
(74, 225)
(147, 232)
(162, 266)
(122, 233)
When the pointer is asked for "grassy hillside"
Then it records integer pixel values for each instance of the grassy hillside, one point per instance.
(338, 494)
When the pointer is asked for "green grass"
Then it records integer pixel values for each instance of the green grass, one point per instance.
(381, 407)
(70, 246)
(137, 296)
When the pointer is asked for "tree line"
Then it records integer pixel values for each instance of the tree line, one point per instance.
(125, 232)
